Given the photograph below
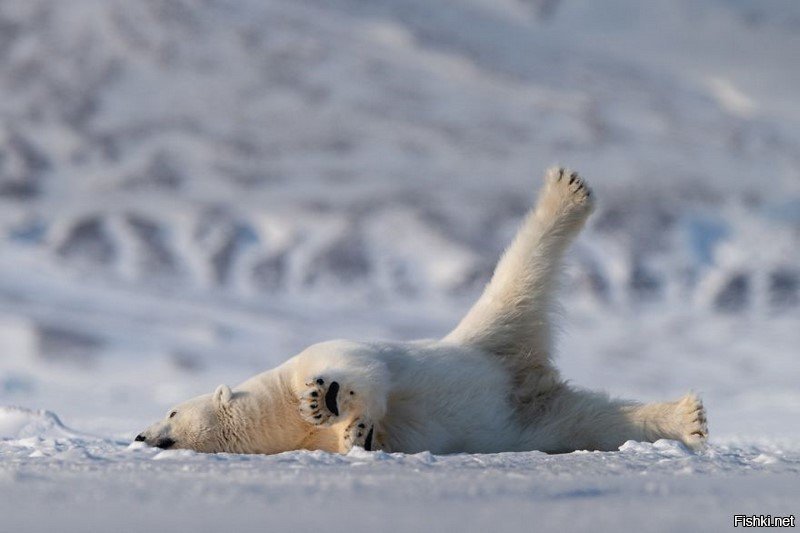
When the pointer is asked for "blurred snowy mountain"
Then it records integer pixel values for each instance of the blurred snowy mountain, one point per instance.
(186, 175)
(192, 191)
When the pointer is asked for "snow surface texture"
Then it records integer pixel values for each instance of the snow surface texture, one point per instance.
(129, 487)
(192, 191)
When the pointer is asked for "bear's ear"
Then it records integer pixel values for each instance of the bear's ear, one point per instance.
(222, 396)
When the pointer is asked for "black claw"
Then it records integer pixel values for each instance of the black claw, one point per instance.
(572, 178)
(560, 173)
(360, 434)
(318, 417)
(362, 426)
(314, 394)
(313, 406)
(320, 381)
(352, 393)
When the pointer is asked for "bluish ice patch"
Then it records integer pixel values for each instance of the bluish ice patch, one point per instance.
(703, 233)
(787, 212)
(30, 232)
(246, 235)
(17, 383)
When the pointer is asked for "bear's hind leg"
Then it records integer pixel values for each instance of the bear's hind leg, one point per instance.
(512, 320)
(584, 420)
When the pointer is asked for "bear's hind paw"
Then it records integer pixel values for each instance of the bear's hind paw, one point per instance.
(693, 421)
(568, 190)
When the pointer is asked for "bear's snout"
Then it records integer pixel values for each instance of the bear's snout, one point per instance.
(165, 443)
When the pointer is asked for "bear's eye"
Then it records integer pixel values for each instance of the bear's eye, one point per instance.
(173, 413)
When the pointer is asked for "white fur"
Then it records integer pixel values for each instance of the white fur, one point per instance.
(488, 386)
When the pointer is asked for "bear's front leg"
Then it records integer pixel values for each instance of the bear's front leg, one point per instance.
(345, 396)
(330, 402)
(324, 401)
(360, 432)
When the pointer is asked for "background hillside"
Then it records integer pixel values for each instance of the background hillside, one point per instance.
(192, 191)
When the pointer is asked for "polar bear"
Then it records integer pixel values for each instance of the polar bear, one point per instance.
(490, 385)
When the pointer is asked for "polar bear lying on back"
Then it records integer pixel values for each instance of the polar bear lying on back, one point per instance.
(488, 386)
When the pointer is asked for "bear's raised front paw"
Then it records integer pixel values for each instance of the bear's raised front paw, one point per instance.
(359, 433)
(320, 404)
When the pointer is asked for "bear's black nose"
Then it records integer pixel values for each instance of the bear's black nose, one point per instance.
(165, 443)
(139, 438)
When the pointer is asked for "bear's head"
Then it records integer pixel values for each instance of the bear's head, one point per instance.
(203, 424)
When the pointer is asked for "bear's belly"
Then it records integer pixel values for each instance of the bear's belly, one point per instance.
(465, 420)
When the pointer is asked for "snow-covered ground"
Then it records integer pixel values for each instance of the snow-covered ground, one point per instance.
(191, 191)
(50, 478)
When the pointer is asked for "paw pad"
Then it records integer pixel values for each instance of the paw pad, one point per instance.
(319, 404)
(566, 192)
(359, 433)
(694, 424)
(575, 184)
